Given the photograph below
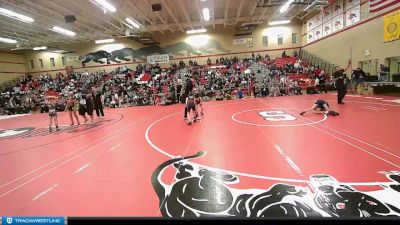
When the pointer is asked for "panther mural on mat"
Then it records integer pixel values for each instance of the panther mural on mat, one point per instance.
(203, 192)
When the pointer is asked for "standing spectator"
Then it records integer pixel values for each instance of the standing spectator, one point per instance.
(178, 90)
(356, 77)
(240, 93)
(98, 101)
(264, 91)
(295, 53)
(383, 73)
(322, 80)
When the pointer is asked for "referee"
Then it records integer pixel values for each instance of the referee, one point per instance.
(340, 85)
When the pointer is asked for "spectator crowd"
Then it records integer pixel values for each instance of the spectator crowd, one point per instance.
(228, 78)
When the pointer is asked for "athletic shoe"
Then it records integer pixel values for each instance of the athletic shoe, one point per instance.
(57, 129)
(302, 113)
(50, 130)
(190, 123)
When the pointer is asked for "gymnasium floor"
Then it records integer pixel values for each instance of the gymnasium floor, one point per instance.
(250, 158)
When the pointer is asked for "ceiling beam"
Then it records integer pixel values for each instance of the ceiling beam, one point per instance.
(92, 15)
(183, 8)
(139, 12)
(158, 15)
(277, 12)
(262, 14)
(82, 17)
(90, 30)
(226, 11)
(213, 14)
(239, 11)
(253, 9)
(300, 10)
(172, 15)
(41, 22)
(243, 18)
(25, 37)
(201, 19)
(34, 28)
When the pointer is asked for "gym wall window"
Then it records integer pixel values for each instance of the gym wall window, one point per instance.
(63, 61)
(52, 62)
(280, 39)
(32, 64)
(41, 63)
(265, 40)
(294, 38)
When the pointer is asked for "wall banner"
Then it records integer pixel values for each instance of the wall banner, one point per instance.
(391, 26)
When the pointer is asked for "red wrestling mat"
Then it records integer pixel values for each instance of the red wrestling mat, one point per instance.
(247, 158)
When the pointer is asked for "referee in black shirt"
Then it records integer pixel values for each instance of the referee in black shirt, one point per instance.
(340, 85)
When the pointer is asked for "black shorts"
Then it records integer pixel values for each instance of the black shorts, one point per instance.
(191, 107)
(89, 111)
(82, 110)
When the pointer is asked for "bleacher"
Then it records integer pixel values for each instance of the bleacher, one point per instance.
(280, 62)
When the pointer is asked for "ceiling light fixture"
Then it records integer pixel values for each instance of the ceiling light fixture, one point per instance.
(7, 40)
(133, 23)
(14, 15)
(60, 51)
(40, 48)
(196, 31)
(106, 5)
(63, 31)
(206, 14)
(279, 22)
(104, 41)
(285, 7)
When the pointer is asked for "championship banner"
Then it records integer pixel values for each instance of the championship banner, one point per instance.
(327, 28)
(310, 24)
(391, 26)
(154, 59)
(337, 23)
(310, 36)
(338, 8)
(318, 32)
(353, 16)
